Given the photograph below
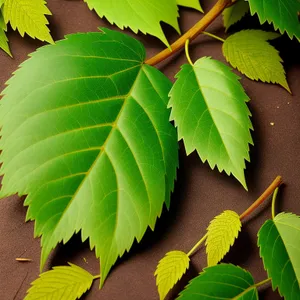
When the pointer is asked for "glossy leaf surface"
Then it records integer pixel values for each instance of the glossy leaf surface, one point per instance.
(283, 14)
(90, 142)
(223, 281)
(279, 242)
(210, 111)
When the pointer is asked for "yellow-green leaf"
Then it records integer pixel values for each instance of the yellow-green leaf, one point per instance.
(28, 16)
(3, 39)
(190, 3)
(221, 234)
(252, 55)
(169, 270)
(61, 283)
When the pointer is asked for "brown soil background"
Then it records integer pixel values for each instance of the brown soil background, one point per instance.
(200, 193)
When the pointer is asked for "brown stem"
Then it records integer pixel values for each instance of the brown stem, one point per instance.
(192, 33)
(273, 186)
(268, 192)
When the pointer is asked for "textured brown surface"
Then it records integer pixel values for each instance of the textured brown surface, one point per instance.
(200, 193)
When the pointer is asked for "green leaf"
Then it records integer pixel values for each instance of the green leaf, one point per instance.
(190, 3)
(209, 108)
(28, 16)
(90, 142)
(169, 270)
(221, 234)
(279, 242)
(61, 283)
(3, 39)
(282, 13)
(251, 54)
(222, 281)
(235, 13)
(139, 15)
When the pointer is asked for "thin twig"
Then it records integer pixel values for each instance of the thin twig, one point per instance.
(197, 29)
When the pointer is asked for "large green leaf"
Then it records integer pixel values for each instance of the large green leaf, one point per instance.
(139, 15)
(250, 53)
(221, 234)
(282, 13)
(61, 283)
(190, 3)
(3, 39)
(279, 242)
(28, 16)
(235, 13)
(88, 139)
(223, 281)
(209, 108)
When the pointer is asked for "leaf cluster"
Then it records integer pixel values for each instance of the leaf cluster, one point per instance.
(278, 240)
(91, 144)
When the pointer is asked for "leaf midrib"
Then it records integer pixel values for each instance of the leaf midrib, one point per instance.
(209, 110)
(100, 154)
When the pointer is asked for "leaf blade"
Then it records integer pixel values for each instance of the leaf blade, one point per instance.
(195, 4)
(221, 234)
(252, 55)
(3, 38)
(224, 281)
(67, 282)
(235, 13)
(135, 12)
(170, 270)
(194, 100)
(283, 15)
(107, 110)
(28, 16)
(277, 249)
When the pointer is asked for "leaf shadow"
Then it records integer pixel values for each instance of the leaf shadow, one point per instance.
(191, 273)
(68, 252)
(242, 249)
(266, 292)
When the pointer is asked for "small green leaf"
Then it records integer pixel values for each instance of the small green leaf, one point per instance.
(221, 234)
(190, 3)
(235, 13)
(209, 108)
(103, 160)
(169, 270)
(144, 16)
(3, 39)
(61, 283)
(251, 54)
(279, 242)
(282, 13)
(224, 281)
(28, 16)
